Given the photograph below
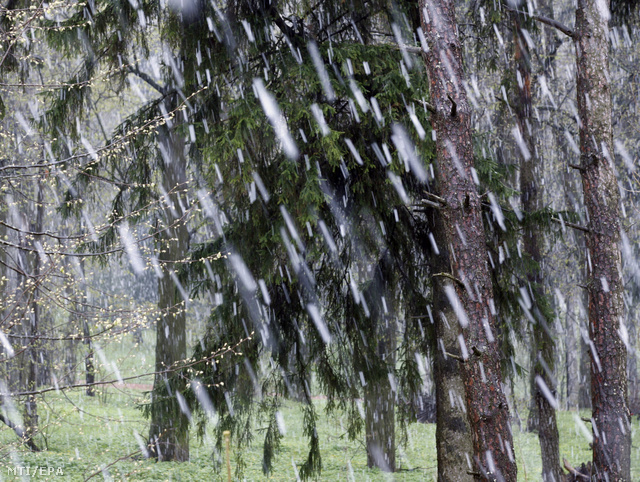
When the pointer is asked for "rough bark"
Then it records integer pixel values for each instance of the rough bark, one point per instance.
(543, 348)
(169, 432)
(453, 444)
(487, 407)
(611, 428)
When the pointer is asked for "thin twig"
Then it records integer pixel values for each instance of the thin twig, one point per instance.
(171, 369)
(455, 357)
(124, 457)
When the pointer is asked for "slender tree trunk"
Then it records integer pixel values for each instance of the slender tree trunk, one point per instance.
(379, 395)
(487, 406)
(453, 443)
(634, 383)
(169, 431)
(34, 346)
(71, 328)
(584, 392)
(611, 427)
(380, 403)
(89, 369)
(532, 168)
(80, 308)
(571, 356)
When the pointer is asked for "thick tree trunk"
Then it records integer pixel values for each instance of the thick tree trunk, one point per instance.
(543, 348)
(169, 431)
(487, 407)
(611, 428)
(453, 443)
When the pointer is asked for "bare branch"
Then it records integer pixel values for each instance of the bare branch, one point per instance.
(172, 369)
(451, 277)
(144, 76)
(546, 20)
(572, 225)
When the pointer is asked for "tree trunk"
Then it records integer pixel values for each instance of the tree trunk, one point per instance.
(169, 431)
(379, 395)
(453, 444)
(611, 427)
(571, 356)
(80, 308)
(487, 407)
(531, 168)
(70, 330)
(89, 369)
(380, 427)
(634, 383)
(584, 392)
(33, 318)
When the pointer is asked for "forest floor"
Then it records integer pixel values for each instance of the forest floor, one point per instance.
(95, 438)
(98, 438)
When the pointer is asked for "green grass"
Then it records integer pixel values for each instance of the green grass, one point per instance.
(81, 435)
(85, 434)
